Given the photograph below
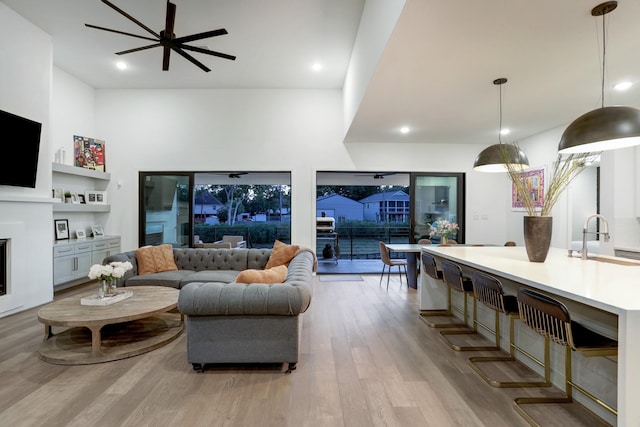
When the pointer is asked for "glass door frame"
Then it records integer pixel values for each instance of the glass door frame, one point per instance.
(460, 201)
(142, 209)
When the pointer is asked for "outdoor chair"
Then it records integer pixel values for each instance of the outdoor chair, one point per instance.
(235, 241)
(388, 262)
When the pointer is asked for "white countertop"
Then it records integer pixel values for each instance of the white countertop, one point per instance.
(610, 287)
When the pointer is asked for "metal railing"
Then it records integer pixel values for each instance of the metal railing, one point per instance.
(361, 242)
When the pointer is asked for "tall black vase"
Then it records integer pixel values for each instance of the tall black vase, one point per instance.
(537, 237)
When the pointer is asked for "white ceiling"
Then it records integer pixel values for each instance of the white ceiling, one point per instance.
(435, 74)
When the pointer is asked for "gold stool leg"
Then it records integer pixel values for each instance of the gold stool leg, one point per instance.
(467, 331)
(475, 362)
(425, 314)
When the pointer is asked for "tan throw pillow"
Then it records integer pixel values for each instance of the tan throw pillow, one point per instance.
(272, 275)
(154, 259)
(282, 254)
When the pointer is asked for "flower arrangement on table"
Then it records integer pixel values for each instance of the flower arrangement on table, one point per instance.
(108, 275)
(443, 228)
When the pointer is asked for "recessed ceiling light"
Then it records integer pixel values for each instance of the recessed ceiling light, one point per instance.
(404, 129)
(316, 67)
(121, 65)
(622, 85)
(505, 132)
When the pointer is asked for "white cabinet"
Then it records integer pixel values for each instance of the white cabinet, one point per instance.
(103, 247)
(73, 258)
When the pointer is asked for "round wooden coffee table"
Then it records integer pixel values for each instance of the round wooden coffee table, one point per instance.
(98, 334)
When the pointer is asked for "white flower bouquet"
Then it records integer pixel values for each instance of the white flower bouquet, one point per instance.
(443, 228)
(108, 275)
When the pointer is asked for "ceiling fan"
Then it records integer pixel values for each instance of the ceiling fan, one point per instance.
(237, 174)
(167, 39)
(379, 175)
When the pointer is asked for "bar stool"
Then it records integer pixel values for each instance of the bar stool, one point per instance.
(551, 319)
(453, 277)
(489, 291)
(431, 269)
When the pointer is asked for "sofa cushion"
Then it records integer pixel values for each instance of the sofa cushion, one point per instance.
(282, 254)
(171, 278)
(221, 276)
(270, 275)
(154, 259)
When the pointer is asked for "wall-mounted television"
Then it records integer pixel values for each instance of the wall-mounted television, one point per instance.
(20, 142)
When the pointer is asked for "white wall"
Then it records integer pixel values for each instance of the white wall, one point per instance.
(619, 181)
(25, 213)
(72, 113)
(205, 130)
(255, 130)
(376, 26)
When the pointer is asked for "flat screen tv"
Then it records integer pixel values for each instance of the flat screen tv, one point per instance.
(20, 142)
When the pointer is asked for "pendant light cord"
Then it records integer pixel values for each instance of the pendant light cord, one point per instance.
(500, 82)
(604, 56)
(500, 122)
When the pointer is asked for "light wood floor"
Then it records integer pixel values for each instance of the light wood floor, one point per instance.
(367, 359)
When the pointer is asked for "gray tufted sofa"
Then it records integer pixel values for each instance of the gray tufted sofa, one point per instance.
(230, 322)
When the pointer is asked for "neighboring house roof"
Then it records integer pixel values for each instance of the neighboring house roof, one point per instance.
(387, 195)
(206, 198)
(336, 199)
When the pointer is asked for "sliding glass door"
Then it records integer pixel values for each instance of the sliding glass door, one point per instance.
(165, 209)
(436, 196)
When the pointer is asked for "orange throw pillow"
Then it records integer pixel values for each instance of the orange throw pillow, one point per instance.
(282, 254)
(272, 275)
(154, 259)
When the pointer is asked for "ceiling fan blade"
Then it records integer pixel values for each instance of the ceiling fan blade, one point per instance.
(201, 36)
(170, 20)
(129, 17)
(190, 58)
(208, 52)
(120, 32)
(165, 58)
(137, 49)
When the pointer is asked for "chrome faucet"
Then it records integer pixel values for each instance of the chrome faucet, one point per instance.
(604, 232)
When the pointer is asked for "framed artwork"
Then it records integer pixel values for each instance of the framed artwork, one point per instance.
(80, 234)
(61, 227)
(88, 153)
(534, 182)
(97, 230)
(95, 197)
(74, 198)
(81, 198)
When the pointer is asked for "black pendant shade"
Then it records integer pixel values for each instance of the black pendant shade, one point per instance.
(494, 157)
(605, 128)
(500, 157)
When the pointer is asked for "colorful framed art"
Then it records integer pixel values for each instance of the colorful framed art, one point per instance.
(534, 181)
(88, 153)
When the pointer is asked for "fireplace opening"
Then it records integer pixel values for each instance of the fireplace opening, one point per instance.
(3, 267)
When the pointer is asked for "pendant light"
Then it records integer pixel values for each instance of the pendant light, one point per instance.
(605, 128)
(495, 157)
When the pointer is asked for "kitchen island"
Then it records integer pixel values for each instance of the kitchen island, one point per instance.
(604, 294)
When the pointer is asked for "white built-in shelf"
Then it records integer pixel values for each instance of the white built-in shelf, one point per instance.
(77, 207)
(75, 170)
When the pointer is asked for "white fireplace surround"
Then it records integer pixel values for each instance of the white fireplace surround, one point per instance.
(16, 236)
